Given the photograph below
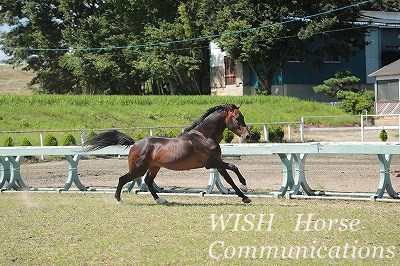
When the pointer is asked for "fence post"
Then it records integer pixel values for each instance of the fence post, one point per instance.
(41, 144)
(83, 136)
(362, 128)
(302, 129)
(266, 133)
(288, 130)
(151, 132)
(398, 127)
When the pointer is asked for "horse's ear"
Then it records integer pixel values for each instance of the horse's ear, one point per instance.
(239, 105)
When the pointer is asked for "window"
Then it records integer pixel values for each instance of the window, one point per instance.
(230, 77)
(388, 90)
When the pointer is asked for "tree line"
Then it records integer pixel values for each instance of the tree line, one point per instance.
(161, 47)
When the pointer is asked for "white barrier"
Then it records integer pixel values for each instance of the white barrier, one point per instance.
(293, 157)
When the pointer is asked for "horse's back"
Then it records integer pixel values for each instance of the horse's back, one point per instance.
(187, 151)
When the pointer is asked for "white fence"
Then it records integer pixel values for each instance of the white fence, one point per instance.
(369, 124)
(293, 157)
(298, 131)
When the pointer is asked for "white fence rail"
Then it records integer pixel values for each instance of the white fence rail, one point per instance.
(293, 157)
(297, 131)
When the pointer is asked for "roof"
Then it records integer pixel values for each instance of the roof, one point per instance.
(379, 18)
(388, 70)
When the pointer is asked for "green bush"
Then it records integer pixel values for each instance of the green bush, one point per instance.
(50, 140)
(276, 134)
(26, 142)
(159, 133)
(255, 134)
(357, 102)
(8, 142)
(383, 135)
(90, 134)
(171, 134)
(139, 136)
(69, 140)
(228, 135)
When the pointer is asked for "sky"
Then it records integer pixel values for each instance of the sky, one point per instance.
(2, 55)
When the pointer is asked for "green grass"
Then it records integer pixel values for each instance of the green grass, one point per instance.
(73, 113)
(82, 112)
(91, 229)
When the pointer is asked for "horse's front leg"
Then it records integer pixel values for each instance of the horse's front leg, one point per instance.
(229, 180)
(234, 168)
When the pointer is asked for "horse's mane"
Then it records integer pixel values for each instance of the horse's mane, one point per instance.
(210, 111)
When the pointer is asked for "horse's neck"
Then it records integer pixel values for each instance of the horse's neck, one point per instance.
(212, 127)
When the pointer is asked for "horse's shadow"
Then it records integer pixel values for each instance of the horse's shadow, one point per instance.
(185, 204)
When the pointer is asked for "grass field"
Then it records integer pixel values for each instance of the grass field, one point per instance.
(23, 111)
(91, 229)
(77, 112)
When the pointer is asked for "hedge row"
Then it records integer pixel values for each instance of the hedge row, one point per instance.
(276, 134)
(49, 140)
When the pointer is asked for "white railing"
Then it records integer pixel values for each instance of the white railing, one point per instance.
(363, 128)
(293, 157)
(291, 129)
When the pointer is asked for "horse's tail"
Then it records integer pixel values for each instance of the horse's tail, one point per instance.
(105, 139)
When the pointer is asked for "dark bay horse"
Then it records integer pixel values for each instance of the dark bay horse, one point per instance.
(198, 146)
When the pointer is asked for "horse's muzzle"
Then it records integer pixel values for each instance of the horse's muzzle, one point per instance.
(246, 134)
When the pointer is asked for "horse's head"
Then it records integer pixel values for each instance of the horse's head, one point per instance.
(235, 122)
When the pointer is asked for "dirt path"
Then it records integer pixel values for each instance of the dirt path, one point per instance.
(345, 173)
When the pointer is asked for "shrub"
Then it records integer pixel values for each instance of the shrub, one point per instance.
(357, 102)
(228, 135)
(26, 142)
(50, 140)
(276, 134)
(8, 142)
(383, 135)
(90, 134)
(255, 134)
(69, 140)
(171, 134)
(139, 136)
(159, 133)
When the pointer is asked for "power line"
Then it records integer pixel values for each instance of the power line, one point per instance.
(202, 47)
(189, 39)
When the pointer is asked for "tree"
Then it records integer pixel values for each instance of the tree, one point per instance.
(39, 25)
(174, 67)
(111, 47)
(266, 34)
(343, 81)
(119, 47)
(351, 100)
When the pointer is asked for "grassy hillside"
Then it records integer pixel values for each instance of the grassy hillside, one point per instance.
(73, 113)
(85, 112)
(23, 111)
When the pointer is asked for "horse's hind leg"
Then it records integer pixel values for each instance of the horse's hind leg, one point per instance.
(125, 179)
(149, 180)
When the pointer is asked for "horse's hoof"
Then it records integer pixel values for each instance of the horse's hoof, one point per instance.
(120, 202)
(161, 201)
(243, 188)
(246, 200)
